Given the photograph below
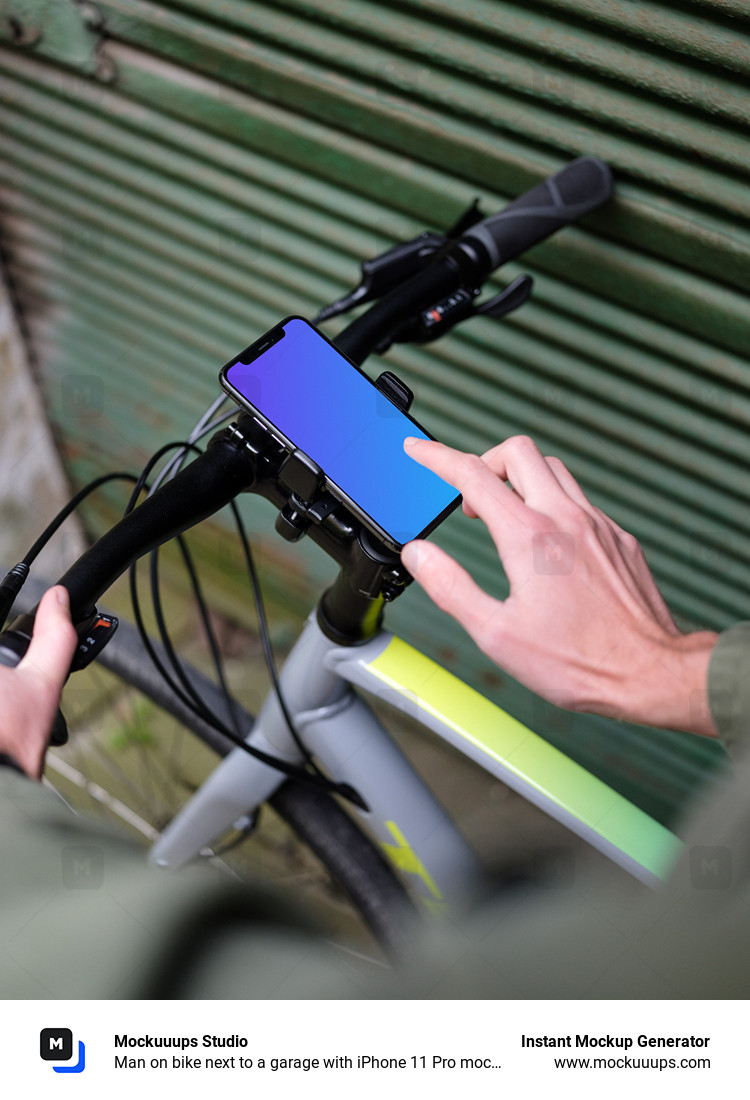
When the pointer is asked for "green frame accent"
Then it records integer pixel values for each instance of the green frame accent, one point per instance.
(526, 756)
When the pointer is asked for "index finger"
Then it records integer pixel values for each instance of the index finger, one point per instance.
(519, 461)
(487, 495)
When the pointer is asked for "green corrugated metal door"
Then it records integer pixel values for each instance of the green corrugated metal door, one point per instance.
(177, 176)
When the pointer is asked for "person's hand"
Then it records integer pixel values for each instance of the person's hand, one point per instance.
(30, 692)
(584, 625)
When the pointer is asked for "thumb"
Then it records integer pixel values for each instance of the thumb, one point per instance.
(449, 586)
(54, 638)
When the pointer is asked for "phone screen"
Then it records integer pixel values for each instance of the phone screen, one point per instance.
(325, 406)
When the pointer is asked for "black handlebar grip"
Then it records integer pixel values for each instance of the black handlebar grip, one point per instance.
(577, 189)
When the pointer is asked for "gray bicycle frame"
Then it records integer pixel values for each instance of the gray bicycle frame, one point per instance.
(347, 739)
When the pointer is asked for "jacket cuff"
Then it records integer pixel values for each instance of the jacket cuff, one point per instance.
(729, 686)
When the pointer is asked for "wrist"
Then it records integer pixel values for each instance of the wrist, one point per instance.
(24, 756)
(671, 690)
(8, 761)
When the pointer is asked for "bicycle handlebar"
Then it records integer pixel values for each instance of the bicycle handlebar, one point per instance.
(465, 262)
(198, 491)
(576, 190)
(238, 459)
(234, 463)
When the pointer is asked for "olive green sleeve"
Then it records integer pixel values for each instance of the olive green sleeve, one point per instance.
(729, 686)
(82, 917)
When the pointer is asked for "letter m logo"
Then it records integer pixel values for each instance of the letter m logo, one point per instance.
(56, 1044)
(710, 867)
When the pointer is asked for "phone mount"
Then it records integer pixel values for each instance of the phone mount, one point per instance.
(309, 502)
(395, 390)
(371, 574)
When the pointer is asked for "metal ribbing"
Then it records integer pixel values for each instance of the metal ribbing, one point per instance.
(249, 154)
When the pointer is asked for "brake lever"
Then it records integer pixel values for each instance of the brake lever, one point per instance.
(397, 264)
(386, 271)
(471, 216)
(513, 297)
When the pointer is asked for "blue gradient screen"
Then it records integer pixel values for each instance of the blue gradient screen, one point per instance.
(327, 408)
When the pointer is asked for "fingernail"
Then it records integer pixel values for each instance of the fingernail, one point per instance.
(62, 596)
(410, 441)
(410, 556)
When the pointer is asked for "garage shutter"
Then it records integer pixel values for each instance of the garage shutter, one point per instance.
(177, 176)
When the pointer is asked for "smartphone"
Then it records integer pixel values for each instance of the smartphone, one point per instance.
(315, 400)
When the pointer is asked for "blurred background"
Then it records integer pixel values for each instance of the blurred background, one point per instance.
(176, 175)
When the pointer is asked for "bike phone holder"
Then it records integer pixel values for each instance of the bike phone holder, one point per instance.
(308, 502)
(395, 390)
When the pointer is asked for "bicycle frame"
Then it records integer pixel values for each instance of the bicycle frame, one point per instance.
(344, 646)
(345, 736)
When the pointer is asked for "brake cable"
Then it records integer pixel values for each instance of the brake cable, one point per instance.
(187, 694)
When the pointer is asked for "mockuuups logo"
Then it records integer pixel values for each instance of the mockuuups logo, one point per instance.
(56, 1045)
